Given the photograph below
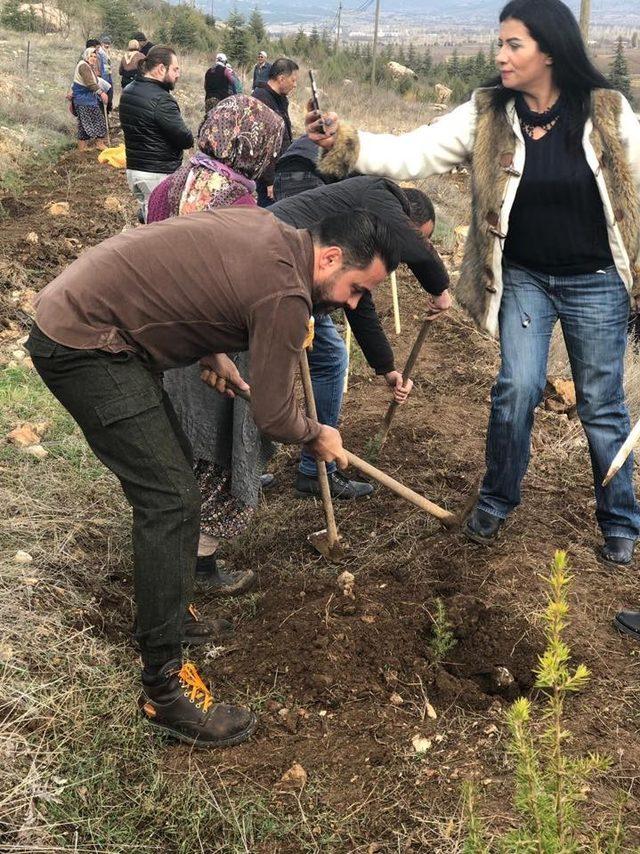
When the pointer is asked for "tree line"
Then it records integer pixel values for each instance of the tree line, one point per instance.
(189, 29)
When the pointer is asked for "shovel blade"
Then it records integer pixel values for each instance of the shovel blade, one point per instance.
(322, 543)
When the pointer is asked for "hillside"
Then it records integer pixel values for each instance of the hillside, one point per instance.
(388, 721)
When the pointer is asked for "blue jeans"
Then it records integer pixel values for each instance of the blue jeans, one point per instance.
(328, 363)
(593, 310)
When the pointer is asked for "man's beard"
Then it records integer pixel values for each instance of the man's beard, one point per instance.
(320, 293)
(170, 84)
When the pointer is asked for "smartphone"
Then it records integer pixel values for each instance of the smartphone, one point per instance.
(314, 97)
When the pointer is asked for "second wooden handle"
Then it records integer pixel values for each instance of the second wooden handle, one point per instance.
(448, 519)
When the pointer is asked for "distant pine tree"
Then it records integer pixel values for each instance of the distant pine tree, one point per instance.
(619, 71)
(12, 18)
(118, 22)
(412, 57)
(301, 43)
(256, 26)
(236, 39)
(453, 66)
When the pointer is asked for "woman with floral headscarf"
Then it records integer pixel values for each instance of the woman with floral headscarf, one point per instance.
(87, 97)
(238, 141)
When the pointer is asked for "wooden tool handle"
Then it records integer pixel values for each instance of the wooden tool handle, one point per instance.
(323, 478)
(448, 519)
(409, 366)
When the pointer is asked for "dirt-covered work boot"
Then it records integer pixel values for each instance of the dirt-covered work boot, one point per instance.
(482, 527)
(198, 633)
(215, 579)
(177, 701)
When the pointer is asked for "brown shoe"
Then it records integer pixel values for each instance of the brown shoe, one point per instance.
(178, 702)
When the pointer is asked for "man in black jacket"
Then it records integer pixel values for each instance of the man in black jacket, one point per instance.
(283, 79)
(155, 134)
(297, 169)
(410, 217)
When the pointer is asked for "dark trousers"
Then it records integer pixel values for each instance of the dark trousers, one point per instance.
(263, 199)
(288, 184)
(131, 427)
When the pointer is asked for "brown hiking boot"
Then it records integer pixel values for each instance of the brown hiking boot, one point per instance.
(178, 702)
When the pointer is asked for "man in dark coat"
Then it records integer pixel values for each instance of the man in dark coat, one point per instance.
(409, 215)
(297, 169)
(144, 44)
(155, 134)
(283, 79)
(219, 83)
(261, 70)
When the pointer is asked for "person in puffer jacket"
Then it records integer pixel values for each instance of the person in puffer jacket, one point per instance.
(155, 134)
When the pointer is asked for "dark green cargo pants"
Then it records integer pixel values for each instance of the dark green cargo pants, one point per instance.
(132, 428)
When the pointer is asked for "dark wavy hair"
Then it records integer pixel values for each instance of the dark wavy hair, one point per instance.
(553, 26)
(361, 236)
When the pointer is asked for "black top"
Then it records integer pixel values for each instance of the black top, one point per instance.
(216, 83)
(301, 156)
(280, 105)
(155, 134)
(386, 200)
(557, 224)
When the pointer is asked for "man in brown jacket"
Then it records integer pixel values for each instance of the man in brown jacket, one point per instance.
(167, 295)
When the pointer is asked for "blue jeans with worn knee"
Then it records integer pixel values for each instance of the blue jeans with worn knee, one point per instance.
(328, 363)
(593, 310)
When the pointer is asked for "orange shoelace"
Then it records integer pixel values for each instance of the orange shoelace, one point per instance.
(199, 693)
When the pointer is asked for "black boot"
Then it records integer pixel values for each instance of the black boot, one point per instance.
(218, 581)
(197, 633)
(339, 484)
(482, 527)
(177, 701)
(267, 481)
(628, 622)
(617, 550)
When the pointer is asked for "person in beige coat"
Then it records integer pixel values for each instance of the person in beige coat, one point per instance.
(555, 235)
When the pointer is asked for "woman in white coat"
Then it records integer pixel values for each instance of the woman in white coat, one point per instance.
(555, 235)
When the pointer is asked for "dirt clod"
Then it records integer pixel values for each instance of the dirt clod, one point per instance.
(294, 778)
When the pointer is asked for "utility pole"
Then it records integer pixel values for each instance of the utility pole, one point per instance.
(585, 15)
(338, 30)
(375, 44)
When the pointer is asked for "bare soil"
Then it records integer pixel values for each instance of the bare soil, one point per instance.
(322, 668)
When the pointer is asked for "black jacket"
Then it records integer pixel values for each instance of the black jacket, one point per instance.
(302, 155)
(280, 105)
(386, 200)
(155, 134)
(216, 83)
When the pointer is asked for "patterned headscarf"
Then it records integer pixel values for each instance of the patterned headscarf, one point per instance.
(243, 133)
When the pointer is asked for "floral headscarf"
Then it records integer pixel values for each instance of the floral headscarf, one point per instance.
(243, 133)
(238, 140)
